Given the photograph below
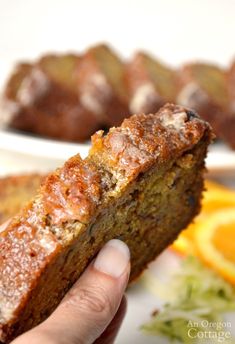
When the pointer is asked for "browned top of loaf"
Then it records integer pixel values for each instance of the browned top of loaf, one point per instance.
(78, 192)
(143, 140)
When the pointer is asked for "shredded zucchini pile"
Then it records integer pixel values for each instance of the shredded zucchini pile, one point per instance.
(199, 298)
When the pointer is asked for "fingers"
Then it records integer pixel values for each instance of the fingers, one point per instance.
(92, 303)
(109, 335)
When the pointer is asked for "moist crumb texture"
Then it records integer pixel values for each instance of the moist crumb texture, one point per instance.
(141, 183)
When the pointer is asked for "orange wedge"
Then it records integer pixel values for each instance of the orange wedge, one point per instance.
(184, 244)
(215, 197)
(215, 242)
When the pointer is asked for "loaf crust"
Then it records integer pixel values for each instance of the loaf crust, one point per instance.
(141, 183)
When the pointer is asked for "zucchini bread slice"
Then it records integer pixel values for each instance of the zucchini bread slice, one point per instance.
(43, 99)
(228, 124)
(13, 114)
(203, 87)
(101, 85)
(141, 183)
(150, 84)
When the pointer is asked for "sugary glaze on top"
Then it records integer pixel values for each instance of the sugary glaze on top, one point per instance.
(143, 139)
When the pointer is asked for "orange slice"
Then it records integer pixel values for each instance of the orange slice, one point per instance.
(215, 242)
(184, 244)
(215, 197)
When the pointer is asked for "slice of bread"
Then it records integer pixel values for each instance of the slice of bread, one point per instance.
(141, 183)
(60, 69)
(227, 127)
(150, 84)
(68, 97)
(231, 86)
(13, 113)
(47, 100)
(15, 192)
(203, 87)
(101, 85)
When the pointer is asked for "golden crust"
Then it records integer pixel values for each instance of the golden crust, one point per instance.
(141, 139)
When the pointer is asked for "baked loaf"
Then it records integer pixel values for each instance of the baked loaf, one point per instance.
(204, 88)
(150, 84)
(15, 191)
(100, 76)
(60, 105)
(12, 111)
(141, 183)
(43, 99)
(231, 86)
(228, 124)
(69, 96)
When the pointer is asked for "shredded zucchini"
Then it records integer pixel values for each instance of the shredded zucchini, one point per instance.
(198, 299)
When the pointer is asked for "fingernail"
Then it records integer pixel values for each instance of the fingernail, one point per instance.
(113, 258)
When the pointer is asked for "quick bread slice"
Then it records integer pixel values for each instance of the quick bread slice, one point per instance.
(150, 84)
(231, 85)
(141, 183)
(60, 69)
(15, 192)
(54, 102)
(12, 111)
(100, 77)
(47, 101)
(228, 125)
(203, 87)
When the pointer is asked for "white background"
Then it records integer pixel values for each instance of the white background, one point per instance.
(174, 30)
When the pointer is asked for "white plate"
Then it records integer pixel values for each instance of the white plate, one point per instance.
(21, 152)
(40, 147)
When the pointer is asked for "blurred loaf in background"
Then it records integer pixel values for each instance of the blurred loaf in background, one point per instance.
(70, 96)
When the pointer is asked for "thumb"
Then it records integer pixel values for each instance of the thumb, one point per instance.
(92, 302)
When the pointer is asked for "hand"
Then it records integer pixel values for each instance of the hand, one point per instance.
(93, 309)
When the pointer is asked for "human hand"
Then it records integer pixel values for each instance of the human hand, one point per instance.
(93, 309)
